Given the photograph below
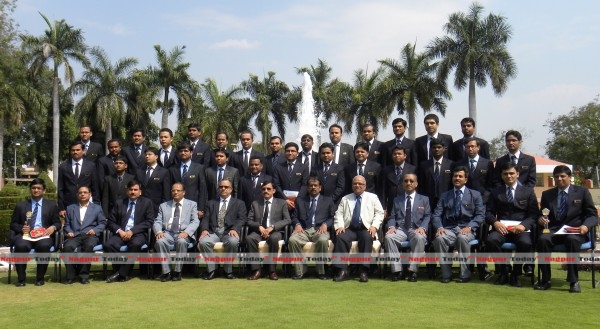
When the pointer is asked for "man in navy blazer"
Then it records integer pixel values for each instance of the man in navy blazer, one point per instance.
(456, 218)
(91, 150)
(307, 156)
(399, 128)
(191, 175)
(435, 174)
(201, 151)
(295, 179)
(115, 185)
(243, 156)
(330, 174)
(571, 206)
(175, 225)
(74, 173)
(421, 149)
(82, 234)
(343, 154)
(136, 151)
(370, 170)
(168, 155)
(312, 221)
(221, 169)
(376, 152)
(34, 213)
(155, 180)
(525, 163)
(467, 126)
(408, 220)
(392, 176)
(223, 222)
(250, 184)
(129, 222)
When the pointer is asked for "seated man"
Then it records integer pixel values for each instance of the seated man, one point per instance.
(409, 220)
(84, 224)
(314, 217)
(572, 206)
(30, 215)
(175, 224)
(514, 202)
(357, 218)
(266, 221)
(456, 218)
(129, 222)
(223, 222)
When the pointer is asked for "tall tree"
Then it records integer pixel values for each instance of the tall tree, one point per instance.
(171, 74)
(410, 83)
(60, 43)
(104, 86)
(142, 103)
(476, 48)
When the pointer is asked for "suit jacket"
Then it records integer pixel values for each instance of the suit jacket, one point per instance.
(419, 150)
(420, 213)
(210, 176)
(524, 207)
(242, 167)
(458, 149)
(188, 219)
(324, 212)
(231, 160)
(525, 167)
(346, 154)
(280, 216)
(472, 211)
(580, 208)
(68, 184)
(427, 185)
(372, 174)
(202, 153)
(193, 181)
(296, 181)
(481, 178)
(314, 160)
(235, 216)
(269, 167)
(112, 192)
(94, 220)
(388, 146)
(158, 187)
(248, 193)
(135, 162)
(94, 151)
(19, 216)
(371, 211)
(391, 186)
(333, 183)
(105, 168)
(376, 151)
(172, 160)
(143, 217)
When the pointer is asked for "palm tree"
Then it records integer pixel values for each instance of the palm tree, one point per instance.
(142, 102)
(105, 87)
(171, 74)
(60, 43)
(476, 48)
(410, 83)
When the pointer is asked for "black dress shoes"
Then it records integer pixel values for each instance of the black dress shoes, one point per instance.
(176, 276)
(230, 276)
(514, 281)
(463, 280)
(575, 287)
(69, 281)
(39, 282)
(397, 276)
(412, 277)
(85, 281)
(20, 283)
(485, 275)
(502, 280)
(209, 275)
(341, 276)
(165, 277)
(298, 277)
(364, 276)
(545, 285)
(114, 278)
(528, 269)
(322, 276)
(445, 280)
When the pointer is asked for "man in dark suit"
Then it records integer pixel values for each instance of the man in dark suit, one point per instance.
(308, 157)
(219, 171)
(91, 150)
(82, 233)
(571, 206)
(467, 125)
(314, 217)
(73, 174)
(115, 185)
(512, 202)
(375, 147)
(525, 163)
(409, 220)
(392, 177)
(32, 214)
(175, 225)
(481, 169)
(201, 152)
(155, 180)
(168, 156)
(370, 170)
(291, 175)
(136, 152)
(223, 222)
(273, 159)
(266, 221)
(129, 222)
(330, 174)
(106, 163)
(399, 127)
(456, 219)
(343, 154)
(222, 142)
(420, 150)
(435, 174)
(192, 176)
(243, 156)
(250, 184)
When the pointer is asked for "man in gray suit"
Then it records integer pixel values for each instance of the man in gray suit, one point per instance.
(266, 221)
(84, 224)
(409, 220)
(175, 224)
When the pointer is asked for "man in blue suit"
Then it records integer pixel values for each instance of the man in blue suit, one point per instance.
(84, 224)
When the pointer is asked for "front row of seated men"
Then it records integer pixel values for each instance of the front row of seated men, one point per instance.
(458, 216)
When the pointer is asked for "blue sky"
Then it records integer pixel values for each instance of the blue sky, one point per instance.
(555, 45)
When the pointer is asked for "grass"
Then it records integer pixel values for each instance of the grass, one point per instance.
(310, 303)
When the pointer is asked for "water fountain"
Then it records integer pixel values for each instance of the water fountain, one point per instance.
(309, 123)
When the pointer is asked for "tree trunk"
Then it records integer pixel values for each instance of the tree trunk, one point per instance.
(55, 130)
(107, 133)
(411, 125)
(165, 114)
(2, 128)
(472, 102)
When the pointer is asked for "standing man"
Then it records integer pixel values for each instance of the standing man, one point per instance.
(266, 221)
(273, 159)
(250, 184)
(375, 146)
(456, 218)
(467, 125)
(370, 170)
(357, 218)
(175, 224)
(525, 163)
(435, 174)
(106, 163)
(222, 142)
(399, 127)
(392, 176)
(421, 149)
(115, 185)
(84, 224)
(247, 151)
(167, 155)
(291, 175)
(330, 174)
(201, 152)
(136, 151)
(214, 174)
(409, 220)
(91, 150)
(342, 152)
(191, 175)
(223, 222)
(314, 217)
(155, 180)
(308, 157)
(481, 169)
(129, 222)
(572, 206)
(73, 174)
(29, 215)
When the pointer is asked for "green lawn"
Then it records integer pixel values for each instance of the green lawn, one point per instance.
(286, 303)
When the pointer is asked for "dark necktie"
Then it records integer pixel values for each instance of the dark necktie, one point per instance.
(290, 168)
(246, 158)
(120, 180)
(176, 214)
(254, 180)
(220, 176)
(457, 204)
(398, 142)
(399, 174)
(274, 159)
(325, 168)
(184, 170)
(305, 158)
(562, 207)
(77, 170)
(472, 161)
(265, 215)
(356, 222)
(360, 169)
(148, 174)
(34, 215)
(311, 213)
(193, 146)
(436, 171)
(165, 158)
(408, 215)
(138, 150)
(130, 210)
(513, 159)
(509, 195)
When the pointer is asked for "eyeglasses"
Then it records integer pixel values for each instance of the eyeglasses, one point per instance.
(222, 186)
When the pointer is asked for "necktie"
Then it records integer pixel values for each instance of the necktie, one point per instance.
(176, 214)
(34, 215)
(360, 169)
(305, 158)
(562, 207)
(399, 174)
(148, 174)
(290, 168)
(326, 168)
(265, 214)
(311, 213)
(86, 148)
(184, 170)
(165, 158)
(139, 151)
(436, 171)
(457, 204)
(398, 142)
(336, 150)
(193, 146)
(221, 215)
(129, 215)
(509, 195)
(513, 159)
(76, 169)
(274, 159)
(408, 214)
(246, 158)
(119, 180)
(254, 180)
(220, 176)
(355, 222)
(472, 161)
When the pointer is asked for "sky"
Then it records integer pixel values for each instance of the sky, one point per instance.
(554, 44)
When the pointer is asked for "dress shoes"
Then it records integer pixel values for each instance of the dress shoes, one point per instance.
(575, 287)
(322, 276)
(273, 276)
(20, 283)
(528, 269)
(85, 281)
(230, 276)
(165, 277)
(463, 280)
(209, 275)
(412, 277)
(39, 282)
(542, 285)
(445, 280)
(69, 281)
(255, 276)
(502, 280)
(514, 281)
(298, 277)
(115, 278)
(176, 276)
(364, 276)
(342, 276)
(485, 275)
(397, 276)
